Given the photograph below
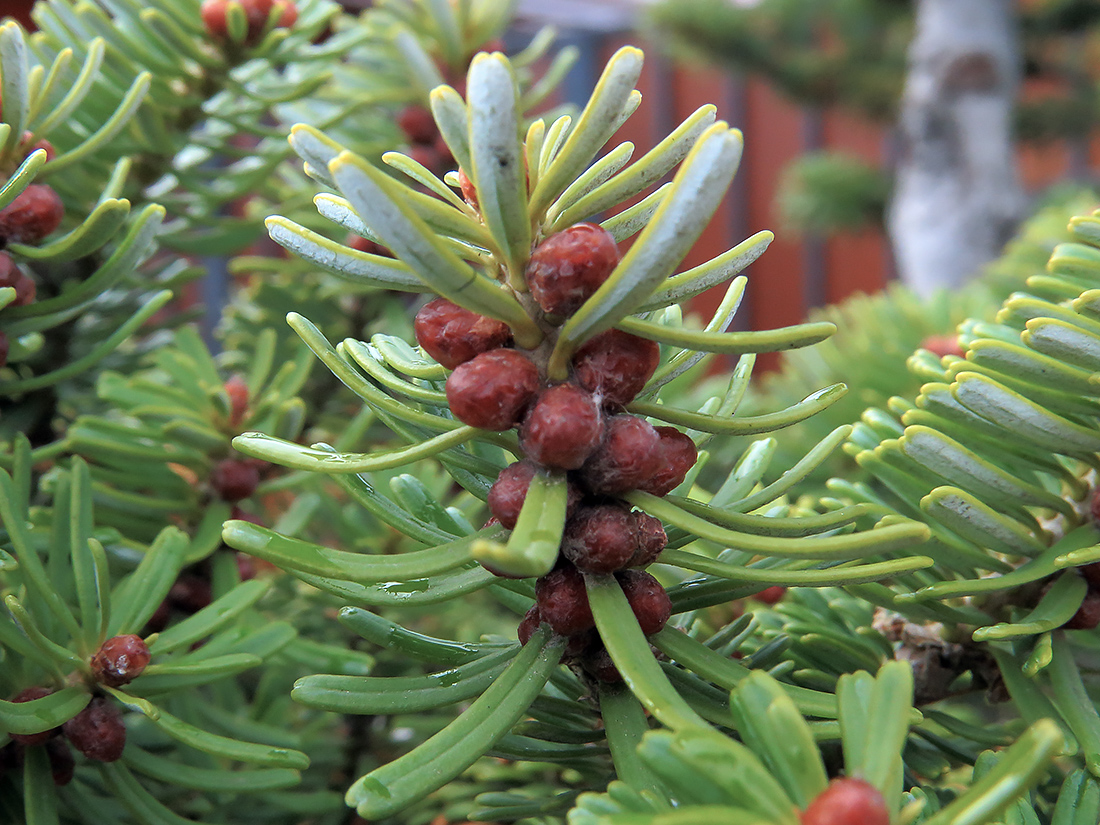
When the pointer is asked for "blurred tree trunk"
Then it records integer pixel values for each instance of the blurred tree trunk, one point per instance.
(957, 194)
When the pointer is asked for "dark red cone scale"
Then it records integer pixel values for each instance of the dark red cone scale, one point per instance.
(120, 660)
(42, 144)
(615, 366)
(29, 695)
(942, 345)
(159, 620)
(678, 455)
(62, 763)
(493, 390)
(509, 491)
(568, 267)
(234, 479)
(1091, 572)
(629, 455)
(469, 191)
(563, 601)
(8, 270)
(98, 731)
(288, 14)
(214, 16)
(417, 124)
(563, 429)
(12, 276)
(453, 335)
(443, 153)
(426, 156)
(1087, 616)
(528, 625)
(599, 665)
(576, 649)
(648, 599)
(241, 515)
(361, 244)
(1094, 508)
(771, 595)
(33, 215)
(847, 801)
(246, 566)
(651, 539)
(190, 593)
(25, 290)
(237, 390)
(601, 539)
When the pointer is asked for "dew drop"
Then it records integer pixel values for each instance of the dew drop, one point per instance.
(372, 786)
(448, 678)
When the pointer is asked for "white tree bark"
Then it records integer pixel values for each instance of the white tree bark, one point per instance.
(957, 195)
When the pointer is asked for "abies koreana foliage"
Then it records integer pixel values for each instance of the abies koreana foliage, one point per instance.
(537, 369)
(490, 562)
